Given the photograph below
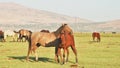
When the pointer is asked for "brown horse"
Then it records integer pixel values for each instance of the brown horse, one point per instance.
(47, 31)
(46, 40)
(97, 36)
(67, 40)
(2, 36)
(24, 34)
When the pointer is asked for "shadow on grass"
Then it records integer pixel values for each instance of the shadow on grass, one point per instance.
(32, 59)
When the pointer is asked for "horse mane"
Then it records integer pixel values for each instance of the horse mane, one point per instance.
(64, 27)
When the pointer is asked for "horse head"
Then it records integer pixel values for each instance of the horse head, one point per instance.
(63, 28)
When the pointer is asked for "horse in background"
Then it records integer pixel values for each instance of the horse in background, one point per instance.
(96, 36)
(11, 33)
(47, 31)
(2, 36)
(24, 34)
(67, 40)
(44, 39)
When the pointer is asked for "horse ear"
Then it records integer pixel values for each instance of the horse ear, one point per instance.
(64, 24)
(15, 31)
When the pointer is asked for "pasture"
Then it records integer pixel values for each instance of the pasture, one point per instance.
(104, 54)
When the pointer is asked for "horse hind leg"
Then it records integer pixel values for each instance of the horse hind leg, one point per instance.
(56, 54)
(63, 56)
(59, 53)
(75, 52)
(99, 39)
(36, 55)
(29, 51)
(93, 38)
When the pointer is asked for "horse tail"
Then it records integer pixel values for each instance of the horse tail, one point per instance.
(29, 47)
(29, 40)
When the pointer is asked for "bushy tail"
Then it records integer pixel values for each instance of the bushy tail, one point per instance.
(29, 48)
(29, 41)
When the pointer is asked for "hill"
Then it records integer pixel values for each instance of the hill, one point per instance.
(15, 13)
(113, 25)
(15, 16)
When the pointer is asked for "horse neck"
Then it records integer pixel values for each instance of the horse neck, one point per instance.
(64, 27)
(56, 34)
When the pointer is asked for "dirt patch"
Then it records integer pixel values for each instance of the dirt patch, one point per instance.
(76, 66)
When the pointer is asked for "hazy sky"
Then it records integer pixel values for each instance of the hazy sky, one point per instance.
(96, 10)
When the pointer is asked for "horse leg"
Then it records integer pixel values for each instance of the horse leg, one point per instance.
(93, 38)
(13, 39)
(56, 55)
(67, 55)
(36, 55)
(64, 55)
(75, 52)
(59, 53)
(99, 39)
(17, 39)
(29, 51)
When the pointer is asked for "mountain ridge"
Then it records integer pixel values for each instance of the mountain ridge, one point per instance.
(14, 13)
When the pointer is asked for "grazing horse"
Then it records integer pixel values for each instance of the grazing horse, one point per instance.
(24, 34)
(47, 31)
(46, 40)
(96, 35)
(11, 34)
(67, 40)
(2, 36)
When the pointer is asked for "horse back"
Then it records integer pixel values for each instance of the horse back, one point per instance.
(43, 38)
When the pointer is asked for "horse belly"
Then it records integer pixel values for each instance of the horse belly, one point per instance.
(47, 40)
(50, 42)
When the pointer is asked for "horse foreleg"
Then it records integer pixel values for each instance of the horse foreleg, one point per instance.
(67, 55)
(64, 55)
(59, 53)
(56, 55)
(75, 52)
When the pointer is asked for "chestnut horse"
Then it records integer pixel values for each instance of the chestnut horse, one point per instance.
(97, 36)
(24, 34)
(44, 39)
(67, 40)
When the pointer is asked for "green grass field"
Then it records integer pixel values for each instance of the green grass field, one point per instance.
(105, 54)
